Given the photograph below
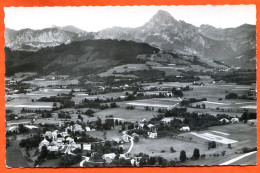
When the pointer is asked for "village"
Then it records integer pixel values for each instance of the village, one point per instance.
(118, 119)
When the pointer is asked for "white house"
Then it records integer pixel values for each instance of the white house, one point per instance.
(143, 120)
(167, 120)
(224, 120)
(48, 134)
(234, 120)
(64, 134)
(87, 147)
(71, 140)
(252, 122)
(109, 157)
(44, 142)
(75, 146)
(122, 156)
(77, 128)
(152, 135)
(125, 138)
(88, 129)
(53, 148)
(185, 128)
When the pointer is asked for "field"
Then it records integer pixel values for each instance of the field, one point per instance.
(243, 133)
(127, 115)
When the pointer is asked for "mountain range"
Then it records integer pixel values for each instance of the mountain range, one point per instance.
(233, 46)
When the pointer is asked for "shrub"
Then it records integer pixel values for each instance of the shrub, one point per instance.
(183, 156)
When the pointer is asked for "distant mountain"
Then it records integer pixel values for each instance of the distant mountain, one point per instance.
(233, 46)
(80, 57)
(71, 28)
(28, 39)
(165, 32)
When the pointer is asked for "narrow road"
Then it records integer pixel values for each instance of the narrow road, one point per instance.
(132, 143)
(237, 158)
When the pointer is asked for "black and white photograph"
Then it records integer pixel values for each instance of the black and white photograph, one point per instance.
(130, 86)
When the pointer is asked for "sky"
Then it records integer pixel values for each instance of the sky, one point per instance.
(94, 19)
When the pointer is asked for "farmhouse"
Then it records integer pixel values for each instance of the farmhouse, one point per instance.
(88, 129)
(87, 147)
(125, 138)
(53, 148)
(150, 126)
(166, 120)
(234, 120)
(224, 120)
(109, 157)
(152, 135)
(185, 128)
(252, 122)
(44, 142)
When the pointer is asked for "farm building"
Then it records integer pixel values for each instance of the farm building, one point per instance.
(234, 120)
(44, 142)
(185, 128)
(252, 122)
(86, 146)
(224, 120)
(125, 138)
(109, 157)
(152, 135)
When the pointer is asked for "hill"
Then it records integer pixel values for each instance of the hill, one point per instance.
(84, 57)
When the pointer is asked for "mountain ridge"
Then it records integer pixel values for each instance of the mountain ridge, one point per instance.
(162, 31)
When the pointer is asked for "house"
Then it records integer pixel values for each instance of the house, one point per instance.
(87, 147)
(150, 126)
(54, 134)
(224, 120)
(88, 129)
(69, 139)
(64, 134)
(152, 135)
(143, 120)
(136, 161)
(77, 128)
(109, 157)
(122, 156)
(75, 146)
(185, 128)
(141, 125)
(53, 148)
(116, 139)
(125, 138)
(252, 122)
(234, 120)
(44, 142)
(59, 140)
(167, 120)
(134, 134)
(48, 134)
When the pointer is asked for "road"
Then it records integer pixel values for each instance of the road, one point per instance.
(132, 143)
(239, 158)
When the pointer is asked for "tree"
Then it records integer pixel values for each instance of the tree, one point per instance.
(212, 144)
(136, 138)
(196, 154)
(113, 105)
(116, 122)
(172, 150)
(183, 156)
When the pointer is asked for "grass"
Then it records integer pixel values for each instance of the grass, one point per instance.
(128, 115)
(14, 156)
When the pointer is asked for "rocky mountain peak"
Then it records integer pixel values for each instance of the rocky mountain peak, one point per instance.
(162, 17)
